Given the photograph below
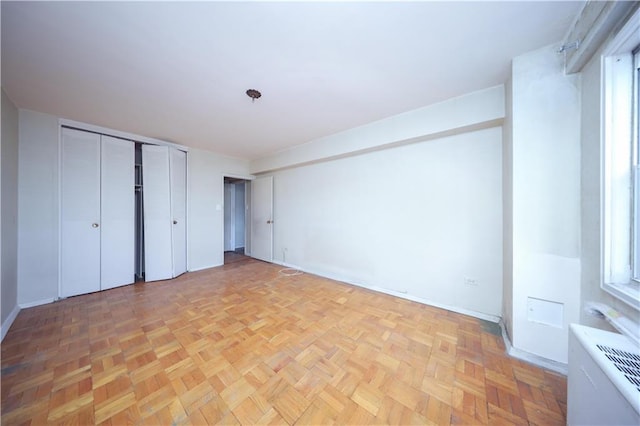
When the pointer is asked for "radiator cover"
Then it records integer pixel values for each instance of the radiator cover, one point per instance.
(604, 378)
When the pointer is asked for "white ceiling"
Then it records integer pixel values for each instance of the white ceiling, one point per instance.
(179, 71)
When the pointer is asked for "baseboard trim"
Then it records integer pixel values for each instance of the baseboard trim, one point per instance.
(458, 310)
(537, 360)
(202, 268)
(6, 325)
(479, 315)
(36, 303)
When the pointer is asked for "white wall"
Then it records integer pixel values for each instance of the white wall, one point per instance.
(38, 208)
(9, 220)
(507, 211)
(416, 219)
(38, 204)
(411, 204)
(546, 199)
(206, 199)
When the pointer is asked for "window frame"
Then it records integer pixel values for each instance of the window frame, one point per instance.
(635, 276)
(620, 194)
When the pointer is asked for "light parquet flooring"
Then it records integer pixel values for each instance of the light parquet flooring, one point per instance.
(244, 344)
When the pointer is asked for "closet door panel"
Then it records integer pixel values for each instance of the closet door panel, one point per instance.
(178, 165)
(80, 214)
(157, 212)
(117, 212)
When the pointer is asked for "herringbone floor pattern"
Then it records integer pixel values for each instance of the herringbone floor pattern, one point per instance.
(244, 344)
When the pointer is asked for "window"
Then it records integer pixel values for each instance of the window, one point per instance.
(621, 170)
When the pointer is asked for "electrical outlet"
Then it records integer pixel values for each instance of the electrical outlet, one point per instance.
(470, 281)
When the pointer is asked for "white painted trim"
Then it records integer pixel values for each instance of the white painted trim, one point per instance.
(237, 176)
(590, 29)
(6, 325)
(628, 293)
(59, 209)
(537, 360)
(119, 134)
(247, 218)
(616, 107)
(202, 268)
(626, 38)
(36, 303)
(479, 315)
(187, 210)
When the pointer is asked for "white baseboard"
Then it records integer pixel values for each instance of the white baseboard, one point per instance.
(202, 268)
(480, 315)
(36, 303)
(6, 325)
(537, 360)
(463, 311)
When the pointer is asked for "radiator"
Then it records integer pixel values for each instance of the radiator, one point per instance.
(604, 378)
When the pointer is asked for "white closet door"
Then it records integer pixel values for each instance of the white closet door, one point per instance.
(178, 166)
(118, 213)
(262, 218)
(158, 263)
(80, 216)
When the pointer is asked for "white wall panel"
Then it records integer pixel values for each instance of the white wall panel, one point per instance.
(546, 198)
(38, 207)
(206, 172)
(9, 214)
(417, 219)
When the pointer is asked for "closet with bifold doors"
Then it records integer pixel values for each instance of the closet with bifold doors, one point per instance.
(122, 212)
(97, 217)
(164, 180)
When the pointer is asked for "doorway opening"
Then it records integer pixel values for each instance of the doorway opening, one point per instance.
(139, 215)
(236, 219)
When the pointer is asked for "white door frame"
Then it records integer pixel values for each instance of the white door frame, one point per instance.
(229, 206)
(248, 179)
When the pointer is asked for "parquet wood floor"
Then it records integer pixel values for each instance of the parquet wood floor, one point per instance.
(243, 344)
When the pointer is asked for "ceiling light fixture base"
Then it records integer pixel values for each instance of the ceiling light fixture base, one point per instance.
(253, 94)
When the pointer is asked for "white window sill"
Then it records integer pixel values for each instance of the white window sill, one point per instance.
(628, 293)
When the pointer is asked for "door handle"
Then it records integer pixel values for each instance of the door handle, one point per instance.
(175, 222)
(94, 225)
(269, 221)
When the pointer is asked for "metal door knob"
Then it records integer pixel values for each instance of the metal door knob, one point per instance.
(94, 225)
(269, 221)
(175, 222)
